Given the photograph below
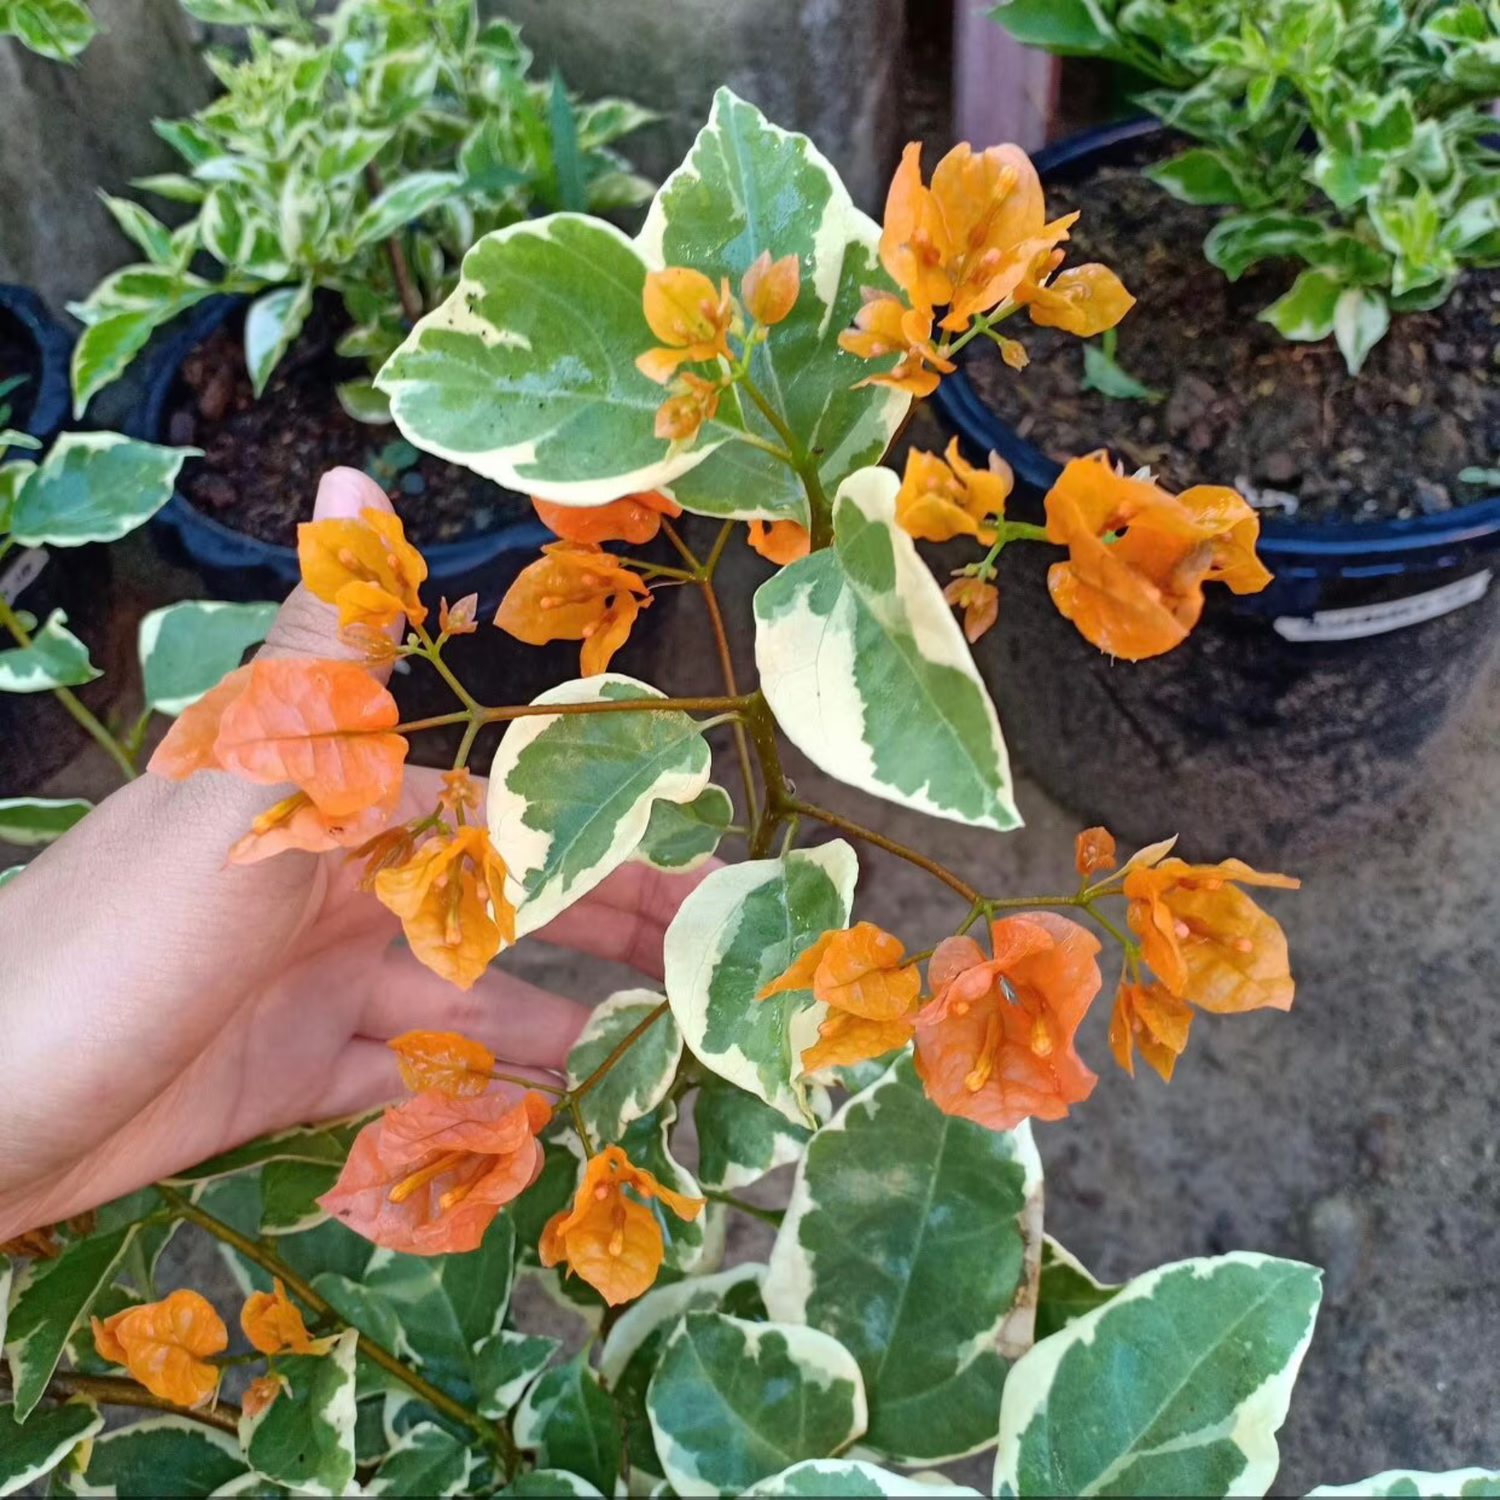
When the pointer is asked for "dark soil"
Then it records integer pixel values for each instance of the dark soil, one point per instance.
(262, 459)
(1283, 422)
(18, 356)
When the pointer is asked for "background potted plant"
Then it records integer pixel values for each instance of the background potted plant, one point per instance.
(1328, 352)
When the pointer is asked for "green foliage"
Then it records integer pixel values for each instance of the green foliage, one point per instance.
(58, 29)
(362, 156)
(1399, 189)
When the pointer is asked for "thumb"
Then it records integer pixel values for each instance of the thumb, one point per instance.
(305, 625)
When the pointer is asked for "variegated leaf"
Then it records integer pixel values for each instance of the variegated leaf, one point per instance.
(681, 836)
(31, 821)
(843, 1476)
(34, 1448)
(734, 1402)
(55, 658)
(913, 1237)
(187, 648)
(736, 932)
(131, 1462)
(741, 1138)
(571, 794)
(1212, 1348)
(305, 1438)
(570, 1422)
(549, 1482)
(505, 1364)
(869, 675)
(1067, 1291)
(748, 186)
(425, 1461)
(639, 1081)
(1457, 1484)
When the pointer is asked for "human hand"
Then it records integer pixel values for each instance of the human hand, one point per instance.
(158, 1005)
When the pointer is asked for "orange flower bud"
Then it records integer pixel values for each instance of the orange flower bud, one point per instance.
(462, 618)
(1093, 851)
(273, 1324)
(769, 288)
(694, 401)
(780, 542)
(884, 326)
(261, 1392)
(980, 602)
(1084, 300)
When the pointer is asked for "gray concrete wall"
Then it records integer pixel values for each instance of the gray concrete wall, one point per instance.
(66, 131)
(830, 68)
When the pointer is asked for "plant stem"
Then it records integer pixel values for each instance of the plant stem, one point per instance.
(434, 654)
(625, 1044)
(726, 665)
(70, 701)
(116, 1390)
(411, 299)
(495, 1435)
(855, 830)
(771, 1216)
(803, 465)
(527, 1083)
(608, 706)
(682, 549)
(779, 794)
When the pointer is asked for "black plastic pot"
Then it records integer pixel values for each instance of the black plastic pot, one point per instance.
(41, 405)
(1290, 720)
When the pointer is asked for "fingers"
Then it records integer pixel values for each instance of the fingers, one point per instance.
(625, 917)
(518, 1022)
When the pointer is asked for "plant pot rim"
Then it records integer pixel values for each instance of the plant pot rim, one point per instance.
(1320, 546)
(164, 364)
(54, 345)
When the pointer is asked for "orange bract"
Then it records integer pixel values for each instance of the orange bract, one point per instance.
(1205, 939)
(693, 402)
(295, 823)
(165, 1345)
(273, 1324)
(941, 498)
(685, 311)
(780, 542)
(769, 288)
(1151, 1017)
(995, 1043)
(366, 568)
(883, 326)
(1094, 851)
(261, 1392)
(188, 746)
(1083, 300)
(610, 1239)
(1141, 594)
(443, 1060)
(980, 602)
(450, 896)
(634, 518)
(576, 592)
(428, 1177)
(462, 618)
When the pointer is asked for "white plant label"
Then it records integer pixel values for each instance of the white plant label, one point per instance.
(22, 573)
(1394, 614)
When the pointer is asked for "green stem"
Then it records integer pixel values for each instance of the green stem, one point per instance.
(496, 1436)
(803, 465)
(434, 654)
(564, 710)
(982, 324)
(70, 701)
(856, 830)
(624, 1046)
(779, 797)
(771, 1216)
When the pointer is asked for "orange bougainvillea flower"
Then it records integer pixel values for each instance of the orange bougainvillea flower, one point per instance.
(462, 618)
(634, 518)
(295, 823)
(1205, 939)
(693, 402)
(609, 1236)
(979, 600)
(1140, 595)
(1083, 300)
(780, 542)
(273, 1324)
(450, 896)
(995, 1043)
(576, 592)
(691, 318)
(365, 567)
(1094, 851)
(941, 498)
(769, 287)
(261, 1392)
(430, 1175)
(1151, 1017)
(914, 242)
(883, 326)
(443, 1060)
(166, 1345)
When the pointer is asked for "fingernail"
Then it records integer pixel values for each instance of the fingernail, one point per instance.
(343, 493)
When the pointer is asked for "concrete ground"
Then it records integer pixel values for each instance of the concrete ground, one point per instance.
(1359, 1131)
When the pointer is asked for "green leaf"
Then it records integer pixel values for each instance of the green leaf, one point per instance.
(30, 821)
(55, 658)
(1198, 175)
(141, 228)
(740, 1138)
(869, 675)
(403, 201)
(740, 929)
(526, 374)
(1211, 1348)
(1412, 1482)
(187, 648)
(681, 836)
(746, 187)
(9, 873)
(913, 1237)
(426, 1461)
(12, 478)
(736, 1402)
(58, 29)
(172, 186)
(289, 1193)
(273, 321)
(32, 1449)
(363, 402)
(1102, 372)
(1361, 317)
(549, 1482)
(1067, 1290)
(571, 1423)
(571, 795)
(48, 1300)
(116, 333)
(94, 487)
(158, 1458)
(1308, 310)
(638, 1336)
(639, 1081)
(843, 1476)
(568, 168)
(504, 1365)
(1069, 28)
(305, 1438)
(325, 1144)
(1235, 244)
(342, 153)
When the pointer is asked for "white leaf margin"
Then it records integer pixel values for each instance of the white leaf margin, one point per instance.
(882, 1481)
(1427, 1484)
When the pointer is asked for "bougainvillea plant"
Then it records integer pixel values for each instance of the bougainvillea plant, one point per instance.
(749, 357)
(1354, 136)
